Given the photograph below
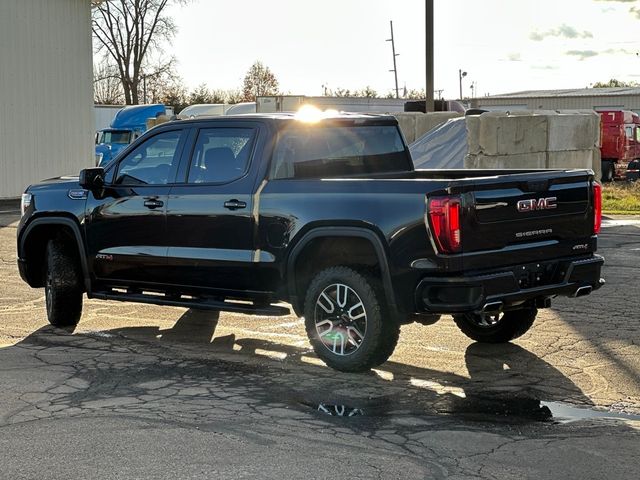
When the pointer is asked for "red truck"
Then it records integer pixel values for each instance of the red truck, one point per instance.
(620, 142)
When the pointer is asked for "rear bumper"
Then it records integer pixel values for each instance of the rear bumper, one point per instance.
(509, 288)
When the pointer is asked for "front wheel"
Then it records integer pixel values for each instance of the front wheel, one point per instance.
(345, 320)
(63, 285)
(496, 327)
(608, 172)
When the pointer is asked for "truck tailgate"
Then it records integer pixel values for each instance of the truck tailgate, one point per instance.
(535, 216)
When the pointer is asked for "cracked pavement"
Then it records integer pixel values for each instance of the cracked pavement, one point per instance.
(139, 391)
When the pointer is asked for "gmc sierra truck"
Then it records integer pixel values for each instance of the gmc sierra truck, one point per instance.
(326, 216)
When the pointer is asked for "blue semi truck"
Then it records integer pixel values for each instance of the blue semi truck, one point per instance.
(128, 124)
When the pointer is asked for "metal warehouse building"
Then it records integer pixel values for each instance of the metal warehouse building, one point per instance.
(46, 91)
(587, 98)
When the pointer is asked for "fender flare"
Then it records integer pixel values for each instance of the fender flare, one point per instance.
(61, 221)
(353, 232)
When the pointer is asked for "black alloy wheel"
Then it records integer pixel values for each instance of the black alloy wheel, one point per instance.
(496, 327)
(346, 320)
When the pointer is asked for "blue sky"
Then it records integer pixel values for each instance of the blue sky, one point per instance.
(504, 45)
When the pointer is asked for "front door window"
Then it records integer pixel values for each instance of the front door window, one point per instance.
(152, 163)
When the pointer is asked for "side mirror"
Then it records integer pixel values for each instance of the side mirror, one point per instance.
(92, 178)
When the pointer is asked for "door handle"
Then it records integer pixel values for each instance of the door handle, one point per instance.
(153, 203)
(234, 204)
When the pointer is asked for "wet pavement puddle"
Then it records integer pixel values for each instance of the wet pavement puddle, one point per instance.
(499, 410)
(566, 413)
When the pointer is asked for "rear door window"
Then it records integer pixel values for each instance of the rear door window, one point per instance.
(221, 154)
(325, 152)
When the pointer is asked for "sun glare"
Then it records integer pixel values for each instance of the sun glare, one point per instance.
(312, 114)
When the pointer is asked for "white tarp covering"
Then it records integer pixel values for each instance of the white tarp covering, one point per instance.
(444, 147)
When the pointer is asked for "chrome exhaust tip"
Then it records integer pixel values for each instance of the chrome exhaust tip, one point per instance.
(492, 307)
(582, 291)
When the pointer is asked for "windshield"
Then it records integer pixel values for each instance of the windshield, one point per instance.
(115, 136)
(322, 152)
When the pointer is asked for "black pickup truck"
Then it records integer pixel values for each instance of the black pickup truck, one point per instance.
(245, 213)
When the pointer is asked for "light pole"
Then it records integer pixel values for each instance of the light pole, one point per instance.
(461, 75)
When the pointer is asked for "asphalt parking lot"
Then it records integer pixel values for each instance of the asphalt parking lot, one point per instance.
(139, 391)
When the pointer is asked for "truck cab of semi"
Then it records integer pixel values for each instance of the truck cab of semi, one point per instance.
(128, 124)
(620, 142)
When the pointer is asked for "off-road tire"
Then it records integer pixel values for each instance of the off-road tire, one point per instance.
(511, 325)
(382, 331)
(63, 285)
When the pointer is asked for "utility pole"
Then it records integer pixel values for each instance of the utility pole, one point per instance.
(474, 89)
(429, 104)
(393, 49)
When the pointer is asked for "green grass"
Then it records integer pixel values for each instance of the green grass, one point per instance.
(621, 198)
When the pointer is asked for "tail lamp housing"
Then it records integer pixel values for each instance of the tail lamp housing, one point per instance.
(597, 207)
(444, 219)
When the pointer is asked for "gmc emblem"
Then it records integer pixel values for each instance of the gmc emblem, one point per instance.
(532, 205)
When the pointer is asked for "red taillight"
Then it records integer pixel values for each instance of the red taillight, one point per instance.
(597, 207)
(444, 218)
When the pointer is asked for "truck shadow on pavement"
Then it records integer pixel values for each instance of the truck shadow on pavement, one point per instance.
(57, 381)
(506, 382)
(608, 319)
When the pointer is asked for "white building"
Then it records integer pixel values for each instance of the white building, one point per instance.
(46, 91)
(616, 98)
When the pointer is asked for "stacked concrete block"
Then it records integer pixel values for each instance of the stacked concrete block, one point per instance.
(575, 130)
(534, 139)
(415, 124)
(519, 160)
(407, 124)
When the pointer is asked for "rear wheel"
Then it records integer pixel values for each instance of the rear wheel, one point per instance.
(345, 320)
(496, 327)
(63, 285)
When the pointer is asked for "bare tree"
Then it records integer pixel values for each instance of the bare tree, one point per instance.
(341, 92)
(234, 96)
(259, 81)
(614, 82)
(202, 94)
(218, 96)
(414, 94)
(367, 92)
(130, 31)
(107, 88)
(157, 78)
(174, 95)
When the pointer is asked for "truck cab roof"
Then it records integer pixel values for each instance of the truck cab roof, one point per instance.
(321, 118)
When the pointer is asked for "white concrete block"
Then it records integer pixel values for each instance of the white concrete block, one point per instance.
(573, 131)
(505, 134)
(525, 160)
(407, 124)
(576, 159)
(473, 134)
